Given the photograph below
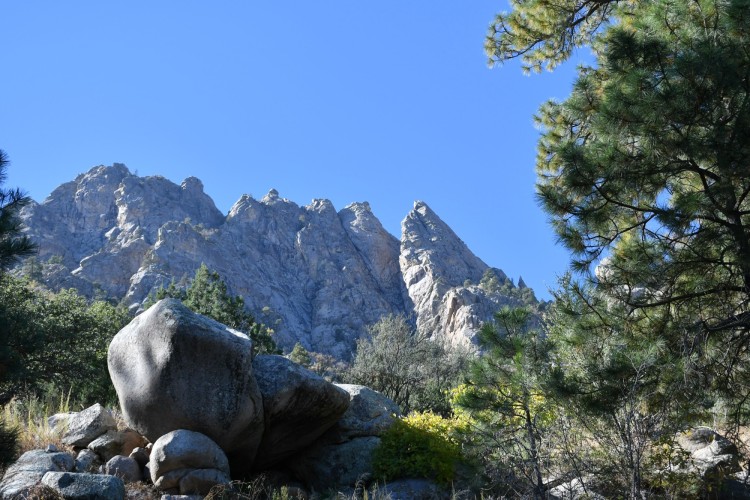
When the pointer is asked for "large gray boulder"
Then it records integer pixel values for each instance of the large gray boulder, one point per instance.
(370, 413)
(87, 425)
(175, 369)
(343, 455)
(299, 406)
(29, 469)
(188, 461)
(335, 465)
(74, 486)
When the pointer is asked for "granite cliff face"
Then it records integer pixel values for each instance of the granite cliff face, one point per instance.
(315, 275)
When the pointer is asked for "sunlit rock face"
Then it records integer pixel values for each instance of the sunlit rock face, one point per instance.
(314, 275)
(443, 277)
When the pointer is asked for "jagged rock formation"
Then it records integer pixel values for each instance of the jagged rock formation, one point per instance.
(317, 276)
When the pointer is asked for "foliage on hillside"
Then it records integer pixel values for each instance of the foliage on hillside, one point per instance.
(407, 366)
(55, 339)
(207, 294)
(420, 445)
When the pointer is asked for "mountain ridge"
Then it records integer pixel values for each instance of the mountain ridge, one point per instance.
(316, 275)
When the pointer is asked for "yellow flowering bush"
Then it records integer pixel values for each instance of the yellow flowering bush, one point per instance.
(420, 445)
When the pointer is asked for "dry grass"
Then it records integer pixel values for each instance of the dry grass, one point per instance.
(30, 416)
(141, 491)
(41, 492)
(256, 489)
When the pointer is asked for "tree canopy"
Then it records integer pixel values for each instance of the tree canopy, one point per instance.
(544, 33)
(13, 244)
(644, 172)
(207, 294)
(502, 394)
(412, 369)
(55, 339)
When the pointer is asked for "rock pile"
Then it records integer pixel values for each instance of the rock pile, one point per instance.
(191, 386)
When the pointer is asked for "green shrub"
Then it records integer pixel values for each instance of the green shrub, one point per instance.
(8, 444)
(420, 445)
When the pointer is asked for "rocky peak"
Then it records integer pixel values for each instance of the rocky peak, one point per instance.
(192, 185)
(431, 244)
(380, 252)
(442, 278)
(271, 197)
(316, 276)
(433, 260)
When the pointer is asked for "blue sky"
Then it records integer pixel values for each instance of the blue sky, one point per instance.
(387, 102)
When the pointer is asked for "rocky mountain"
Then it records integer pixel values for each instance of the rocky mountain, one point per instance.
(315, 275)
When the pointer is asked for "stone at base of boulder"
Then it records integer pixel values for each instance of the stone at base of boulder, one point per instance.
(200, 481)
(87, 425)
(178, 453)
(113, 443)
(87, 461)
(29, 470)
(75, 486)
(126, 468)
(335, 465)
(141, 455)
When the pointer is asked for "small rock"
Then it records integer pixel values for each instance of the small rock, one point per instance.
(74, 486)
(125, 468)
(87, 425)
(141, 455)
(51, 448)
(87, 461)
(114, 443)
(575, 489)
(200, 481)
(414, 489)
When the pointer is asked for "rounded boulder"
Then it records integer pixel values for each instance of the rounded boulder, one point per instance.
(189, 461)
(175, 369)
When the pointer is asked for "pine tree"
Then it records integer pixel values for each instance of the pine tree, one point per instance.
(619, 379)
(644, 172)
(504, 393)
(544, 34)
(300, 355)
(13, 244)
(207, 294)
